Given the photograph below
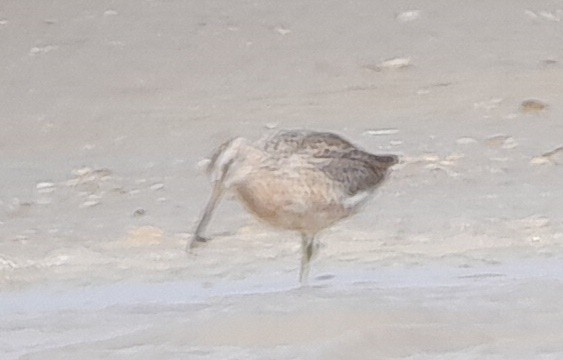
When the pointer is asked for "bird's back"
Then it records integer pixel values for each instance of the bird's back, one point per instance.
(312, 143)
(351, 168)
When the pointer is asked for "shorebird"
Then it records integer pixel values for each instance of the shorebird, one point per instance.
(295, 180)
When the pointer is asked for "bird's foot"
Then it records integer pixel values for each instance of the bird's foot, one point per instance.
(199, 238)
(195, 240)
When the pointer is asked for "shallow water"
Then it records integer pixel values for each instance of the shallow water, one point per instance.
(42, 299)
(453, 312)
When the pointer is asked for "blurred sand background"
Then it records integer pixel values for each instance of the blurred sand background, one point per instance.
(107, 107)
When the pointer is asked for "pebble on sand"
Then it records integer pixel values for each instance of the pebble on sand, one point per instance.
(533, 106)
(139, 212)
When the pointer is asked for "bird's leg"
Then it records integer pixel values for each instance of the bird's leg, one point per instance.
(308, 248)
(211, 204)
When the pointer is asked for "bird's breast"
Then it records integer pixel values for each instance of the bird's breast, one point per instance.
(305, 201)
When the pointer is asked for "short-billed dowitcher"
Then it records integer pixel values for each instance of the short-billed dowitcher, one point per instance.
(295, 180)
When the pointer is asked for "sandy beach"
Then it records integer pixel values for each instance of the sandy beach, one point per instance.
(108, 109)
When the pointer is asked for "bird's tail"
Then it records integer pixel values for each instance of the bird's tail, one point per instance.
(386, 161)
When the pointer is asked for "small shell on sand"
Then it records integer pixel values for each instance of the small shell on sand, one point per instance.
(407, 16)
(532, 105)
(92, 201)
(42, 49)
(395, 63)
(82, 171)
(430, 158)
(465, 140)
(555, 155)
(157, 186)
(94, 176)
(502, 141)
(551, 157)
(45, 187)
(390, 64)
(282, 30)
(539, 160)
(376, 132)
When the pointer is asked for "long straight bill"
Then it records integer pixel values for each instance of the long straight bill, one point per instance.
(211, 204)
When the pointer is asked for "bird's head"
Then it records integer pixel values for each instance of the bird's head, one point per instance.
(226, 158)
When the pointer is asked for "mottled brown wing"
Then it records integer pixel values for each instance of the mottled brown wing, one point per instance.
(325, 144)
(285, 143)
(355, 170)
(358, 171)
